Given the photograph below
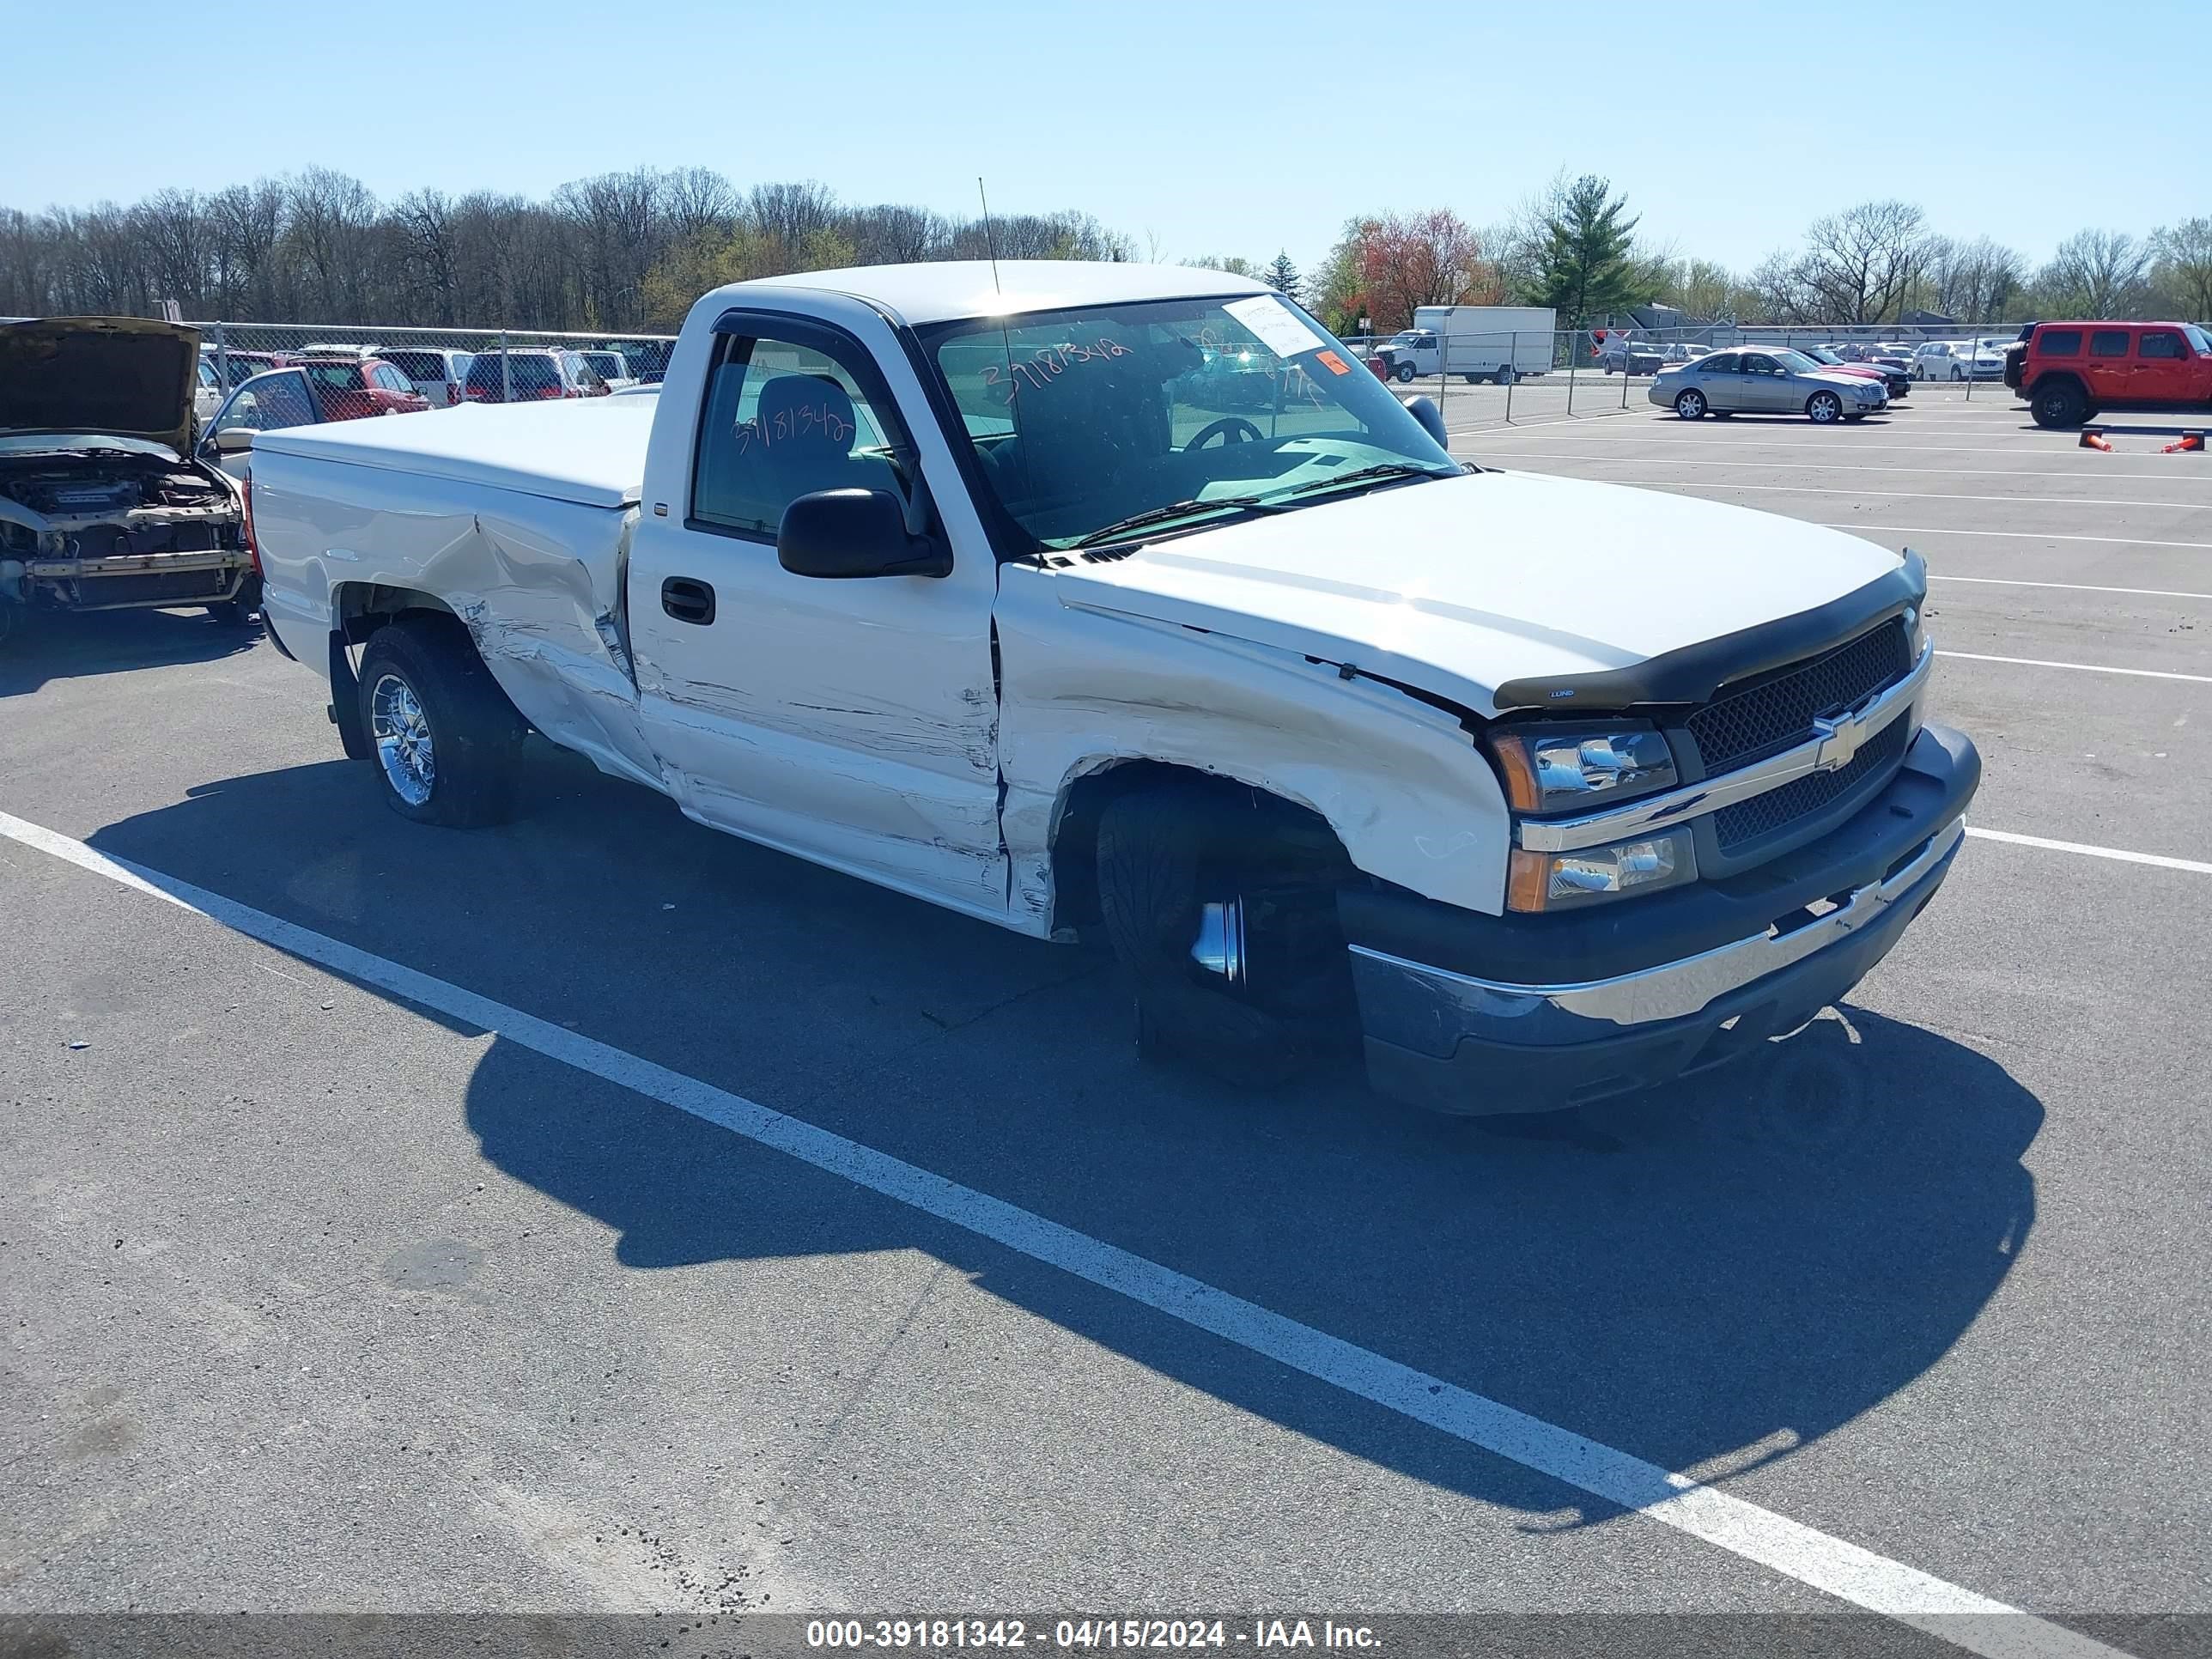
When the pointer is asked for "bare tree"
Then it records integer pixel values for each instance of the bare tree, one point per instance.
(2094, 273)
(1859, 265)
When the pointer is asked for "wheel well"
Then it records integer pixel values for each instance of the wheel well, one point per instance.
(2055, 377)
(358, 609)
(1289, 828)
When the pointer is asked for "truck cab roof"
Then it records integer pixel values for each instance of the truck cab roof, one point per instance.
(949, 290)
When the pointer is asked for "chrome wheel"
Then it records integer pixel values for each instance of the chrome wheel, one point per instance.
(1824, 406)
(1691, 405)
(402, 735)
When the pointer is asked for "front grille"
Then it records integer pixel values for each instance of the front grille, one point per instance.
(1748, 820)
(1767, 715)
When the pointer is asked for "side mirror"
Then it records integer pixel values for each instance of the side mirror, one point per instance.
(1431, 418)
(843, 533)
(233, 441)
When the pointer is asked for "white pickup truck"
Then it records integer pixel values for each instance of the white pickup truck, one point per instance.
(996, 589)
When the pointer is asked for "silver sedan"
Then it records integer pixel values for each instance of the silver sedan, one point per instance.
(1768, 381)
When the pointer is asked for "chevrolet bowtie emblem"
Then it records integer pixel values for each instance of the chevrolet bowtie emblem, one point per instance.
(1839, 741)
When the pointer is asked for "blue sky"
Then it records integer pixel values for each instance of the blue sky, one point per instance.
(1229, 130)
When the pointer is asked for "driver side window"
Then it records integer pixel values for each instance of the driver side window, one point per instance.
(784, 420)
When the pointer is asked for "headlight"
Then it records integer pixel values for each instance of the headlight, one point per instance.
(1557, 881)
(1566, 767)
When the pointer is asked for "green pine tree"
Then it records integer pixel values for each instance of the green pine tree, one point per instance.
(1283, 276)
(1586, 266)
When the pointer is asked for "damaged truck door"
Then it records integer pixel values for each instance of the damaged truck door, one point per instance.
(856, 721)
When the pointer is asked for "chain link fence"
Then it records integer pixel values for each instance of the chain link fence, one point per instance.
(1503, 377)
(356, 369)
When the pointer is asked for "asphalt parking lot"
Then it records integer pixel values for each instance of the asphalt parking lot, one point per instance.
(601, 1214)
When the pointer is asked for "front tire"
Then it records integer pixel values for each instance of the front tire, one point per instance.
(445, 742)
(1691, 405)
(1221, 907)
(1404, 374)
(1824, 409)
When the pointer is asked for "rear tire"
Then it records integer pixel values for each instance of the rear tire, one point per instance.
(1187, 867)
(445, 742)
(1506, 375)
(2058, 403)
(1691, 405)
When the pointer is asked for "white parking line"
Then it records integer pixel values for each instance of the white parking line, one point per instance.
(1843, 1569)
(2074, 587)
(1902, 495)
(2082, 667)
(2015, 535)
(2193, 865)
(2203, 477)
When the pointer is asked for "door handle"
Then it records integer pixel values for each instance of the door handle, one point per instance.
(687, 600)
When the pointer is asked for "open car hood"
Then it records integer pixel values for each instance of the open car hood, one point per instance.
(1514, 589)
(117, 377)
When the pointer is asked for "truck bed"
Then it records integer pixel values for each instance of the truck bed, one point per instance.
(517, 518)
(589, 451)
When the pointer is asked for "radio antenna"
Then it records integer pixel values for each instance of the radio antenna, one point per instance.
(990, 236)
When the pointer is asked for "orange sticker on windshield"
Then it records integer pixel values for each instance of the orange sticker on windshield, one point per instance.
(1334, 364)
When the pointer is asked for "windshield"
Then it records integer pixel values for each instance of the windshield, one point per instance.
(2197, 339)
(1796, 362)
(1082, 419)
(1822, 354)
(607, 364)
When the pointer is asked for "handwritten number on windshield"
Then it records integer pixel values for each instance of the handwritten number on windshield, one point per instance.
(1041, 367)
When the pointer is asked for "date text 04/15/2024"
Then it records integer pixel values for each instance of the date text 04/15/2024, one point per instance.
(940, 1634)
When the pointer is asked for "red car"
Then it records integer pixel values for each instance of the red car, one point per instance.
(1895, 381)
(350, 387)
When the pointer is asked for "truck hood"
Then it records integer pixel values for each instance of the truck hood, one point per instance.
(1547, 588)
(117, 377)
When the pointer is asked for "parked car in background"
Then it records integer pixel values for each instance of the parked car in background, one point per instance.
(646, 359)
(2073, 371)
(1684, 352)
(102, 505)
(366, 386)
(237, 368)
(534, 373)
(610, 367)
(1617, 356)
(1768, 380)
(1895, 381)
(1932, 359)
(207, 390)
(436, 373)
(1970, 359)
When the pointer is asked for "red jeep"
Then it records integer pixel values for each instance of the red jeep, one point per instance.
(2073, 371)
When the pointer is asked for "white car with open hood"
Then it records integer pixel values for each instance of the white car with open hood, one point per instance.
(1000, 590)
(103, 506)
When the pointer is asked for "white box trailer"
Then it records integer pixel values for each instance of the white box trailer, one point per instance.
(1477, 343)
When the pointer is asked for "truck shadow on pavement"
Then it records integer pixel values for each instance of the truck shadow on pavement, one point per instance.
(1708, 1278)
(64, 645)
